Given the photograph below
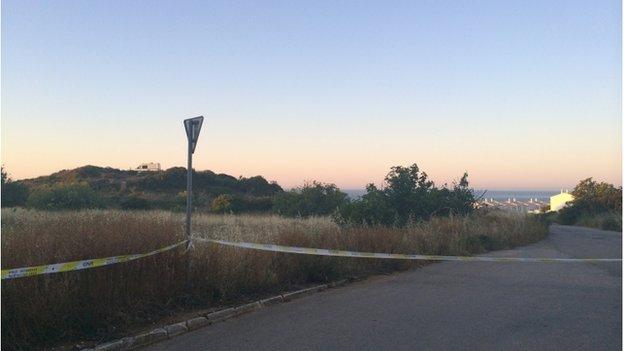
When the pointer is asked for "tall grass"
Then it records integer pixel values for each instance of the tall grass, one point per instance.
(104, 302)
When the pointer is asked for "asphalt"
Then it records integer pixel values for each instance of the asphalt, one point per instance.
(450, 306)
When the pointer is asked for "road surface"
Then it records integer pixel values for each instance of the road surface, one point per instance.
(450, 306)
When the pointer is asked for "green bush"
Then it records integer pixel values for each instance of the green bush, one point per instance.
(547, 218)
(313, 199)
(611, 223)
(135, 202)
(13, 193)
(593, 197)
(178, 204)
(595, 204)
(64, 197)
(569, 215)
(408, 195)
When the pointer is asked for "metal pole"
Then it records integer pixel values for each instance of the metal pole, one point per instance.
(189, 188)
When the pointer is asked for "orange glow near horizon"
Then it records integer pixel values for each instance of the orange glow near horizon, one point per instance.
(488, 168)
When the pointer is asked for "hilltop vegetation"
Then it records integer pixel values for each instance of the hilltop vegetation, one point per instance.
(99, 187)
(407, 195)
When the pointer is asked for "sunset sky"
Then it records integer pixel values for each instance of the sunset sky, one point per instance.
(520, 94)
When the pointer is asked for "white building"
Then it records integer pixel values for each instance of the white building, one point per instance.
(559, 201)
(533, 205)
(148, 167)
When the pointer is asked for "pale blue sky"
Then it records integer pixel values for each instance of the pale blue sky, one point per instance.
(521, 94)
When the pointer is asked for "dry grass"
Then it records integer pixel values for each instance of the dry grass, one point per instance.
(104, 302)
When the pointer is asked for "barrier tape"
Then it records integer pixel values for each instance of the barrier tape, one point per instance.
(78, 265)
(341, 253)
(99, 262)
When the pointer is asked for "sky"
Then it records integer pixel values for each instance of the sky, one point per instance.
(519, 94)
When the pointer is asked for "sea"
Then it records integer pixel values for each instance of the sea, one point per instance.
(498, 195)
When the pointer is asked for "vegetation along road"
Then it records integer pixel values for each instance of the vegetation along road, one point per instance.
(450, 306)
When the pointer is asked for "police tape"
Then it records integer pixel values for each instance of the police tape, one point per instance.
(79, 265)
(341, 253)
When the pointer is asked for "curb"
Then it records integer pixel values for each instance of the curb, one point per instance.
(173, 330)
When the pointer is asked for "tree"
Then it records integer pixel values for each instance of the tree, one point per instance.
(373, 208)
(408, 194)
(596, 197)
(13, 193)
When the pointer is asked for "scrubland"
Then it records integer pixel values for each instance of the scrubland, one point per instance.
(103, 303)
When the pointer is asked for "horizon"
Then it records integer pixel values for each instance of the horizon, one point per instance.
(344, 189)
(520, 95)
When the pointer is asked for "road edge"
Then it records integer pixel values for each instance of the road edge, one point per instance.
(203, 320)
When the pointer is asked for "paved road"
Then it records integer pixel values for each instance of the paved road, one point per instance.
(450, 306)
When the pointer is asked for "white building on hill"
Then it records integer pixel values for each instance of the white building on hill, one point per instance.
(559, 201)
(148, 167)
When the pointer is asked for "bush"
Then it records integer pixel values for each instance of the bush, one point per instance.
(64, 197)
(13, 193)
(178, 204)
(135, 202)
(408, 195)
(611, 223)
(481, 243)
(593, 197)
(313, 199)
(547, 218)
(569, 215)
(597, 205)
(222, 204)
(256, 204)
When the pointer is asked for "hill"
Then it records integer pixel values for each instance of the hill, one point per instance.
(115, 188)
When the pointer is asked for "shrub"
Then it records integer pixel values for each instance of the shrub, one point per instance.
(256, 204)
(222, 204)
(408, 195)
(612, 223)
(312, 199)
(569, 215)
(547, 218)
(13, 193)
(64, 197)
(135, 202)
(593, 197)
(595, 204)
(178, 204)
(481, 243)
